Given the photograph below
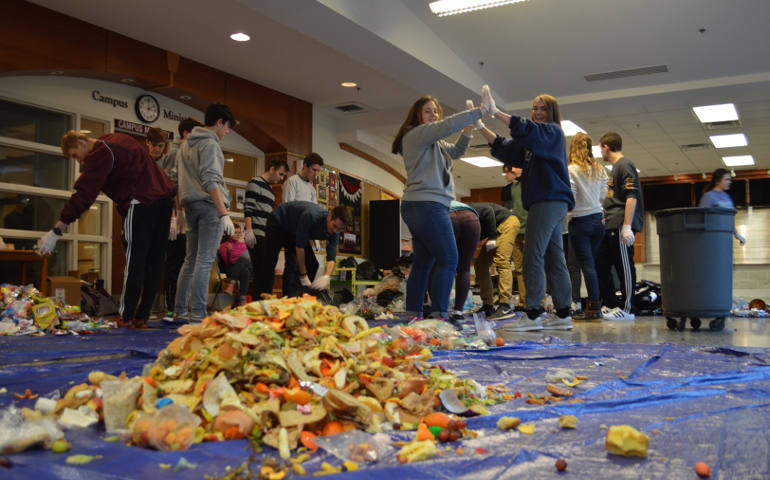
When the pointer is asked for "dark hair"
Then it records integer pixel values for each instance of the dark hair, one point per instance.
(413, 119)
(187, 125)
(277, 163)
(155, 135)
(507, 168)
(613, 140)
(716, 177)
(343, 213)
(554, 114)
(312, 159)
(219, 111)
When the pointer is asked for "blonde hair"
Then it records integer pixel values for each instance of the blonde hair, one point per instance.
(580, 155)
(554, 114)
(70, 140)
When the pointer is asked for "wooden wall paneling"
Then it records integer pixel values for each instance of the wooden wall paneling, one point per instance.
(371, 192)
(145, 64)
(491, 194)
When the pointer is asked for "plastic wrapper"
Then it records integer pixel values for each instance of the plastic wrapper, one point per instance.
(356, 446)
(119, 397)
(219, 393)
(170, 428)
(19, 434)
(484, 329)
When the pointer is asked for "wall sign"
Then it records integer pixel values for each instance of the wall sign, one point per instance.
(97, 96)
(137, 129)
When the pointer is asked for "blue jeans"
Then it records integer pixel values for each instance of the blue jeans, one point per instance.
(433, 241)
(586, 235)
(544, 256)
(204, 232)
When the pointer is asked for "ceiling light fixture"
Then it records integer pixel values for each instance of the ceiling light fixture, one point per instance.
(127, 80)
(738, 160)
(231, 160)
(57, 72)
(570, 128)
(596, 151)
(240, 37)
(349, 84)
(185, 97)
(483, 162)
(443, 8)
(729, 141)
(716, 113)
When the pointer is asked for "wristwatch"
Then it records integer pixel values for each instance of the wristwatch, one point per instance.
(57, 231)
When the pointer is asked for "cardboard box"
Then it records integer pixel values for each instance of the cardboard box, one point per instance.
(65, 289)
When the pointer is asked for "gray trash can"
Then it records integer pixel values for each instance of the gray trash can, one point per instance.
(696, 265)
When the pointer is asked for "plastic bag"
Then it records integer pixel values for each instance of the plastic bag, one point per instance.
(119, 400)
(19, 434)
(170, 428)
(356, 446)
(219, 393)
(484, 329)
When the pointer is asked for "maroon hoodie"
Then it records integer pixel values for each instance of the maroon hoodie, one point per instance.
(122, 168)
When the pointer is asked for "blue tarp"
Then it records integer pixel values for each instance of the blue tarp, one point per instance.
(707, 404)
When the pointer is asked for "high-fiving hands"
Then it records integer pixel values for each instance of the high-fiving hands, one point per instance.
(478, 123)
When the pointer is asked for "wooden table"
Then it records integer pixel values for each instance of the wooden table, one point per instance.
(24, 257)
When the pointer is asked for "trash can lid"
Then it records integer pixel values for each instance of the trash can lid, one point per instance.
(707, 210)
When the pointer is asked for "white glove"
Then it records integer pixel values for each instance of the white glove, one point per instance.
(487, 102)
(46, 243)
(227, 225)
(250, 238)
(491, 245)
(304, 281)
(181, 222)
(2, 244)
(740, 238)
(173, 229)
(627, 236)
(478, 124)
(321, 283)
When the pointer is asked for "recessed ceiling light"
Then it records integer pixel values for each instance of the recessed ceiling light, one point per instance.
(185, 97)
(738, 160)
(127, 80)
(442, 8)
(231, 160)
(596, 150)
(57, 72)
(240, 37)
(570, 128)
(716, 113)
(349, 84)
(608, 166)
(730, 140)
(482, 162)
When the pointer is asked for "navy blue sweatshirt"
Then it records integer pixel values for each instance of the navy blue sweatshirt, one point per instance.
(538, 149)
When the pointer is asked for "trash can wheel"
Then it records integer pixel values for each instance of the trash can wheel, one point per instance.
(695, 323)
(671, 323)
(717, 325)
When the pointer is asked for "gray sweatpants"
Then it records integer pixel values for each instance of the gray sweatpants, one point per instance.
(544, 256)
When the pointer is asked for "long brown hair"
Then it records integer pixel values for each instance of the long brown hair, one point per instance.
(554, 115)
(413, 119)
(580, 155)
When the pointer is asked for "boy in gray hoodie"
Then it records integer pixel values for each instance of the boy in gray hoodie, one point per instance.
(205, 198)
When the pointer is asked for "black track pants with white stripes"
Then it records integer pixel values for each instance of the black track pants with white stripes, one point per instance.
(145, 231)
(612, 253)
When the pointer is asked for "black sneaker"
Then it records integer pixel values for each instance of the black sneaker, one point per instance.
(486, 310)
(456, 316)
(502, 312)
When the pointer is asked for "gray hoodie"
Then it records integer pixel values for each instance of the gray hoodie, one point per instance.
(200, 164)
(168, 162)
(428, 158)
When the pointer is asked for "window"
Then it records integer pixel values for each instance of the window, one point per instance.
(20, 211)
(24, 122)
(27, 167)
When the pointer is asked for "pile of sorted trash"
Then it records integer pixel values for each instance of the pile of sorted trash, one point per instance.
(756, 308)
(24, 311)
(280, 372)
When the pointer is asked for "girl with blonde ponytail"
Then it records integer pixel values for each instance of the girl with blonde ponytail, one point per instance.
(588, 181)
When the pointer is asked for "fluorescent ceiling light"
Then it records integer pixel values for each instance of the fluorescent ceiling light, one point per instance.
(442, 8)
(596, 150)
(349, 84)
(570, 128)
(716, 113)
(728, 141)
(231, 160)
(608, 166)
(738, 160)
(482, 162)
(240, 37)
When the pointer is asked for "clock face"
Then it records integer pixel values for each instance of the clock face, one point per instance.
(147, 108)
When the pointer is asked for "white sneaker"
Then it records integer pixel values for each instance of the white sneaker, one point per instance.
(523, 324)
(617, 313)
(576, 307)
(551, 321)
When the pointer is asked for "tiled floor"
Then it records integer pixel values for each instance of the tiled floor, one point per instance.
(744, 332)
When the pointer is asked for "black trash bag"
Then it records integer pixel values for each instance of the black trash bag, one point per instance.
(386, 297)
(367, 271)
(347, 262)
(646, 299)
(323, 296)
(342, 296)
(95, 301)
